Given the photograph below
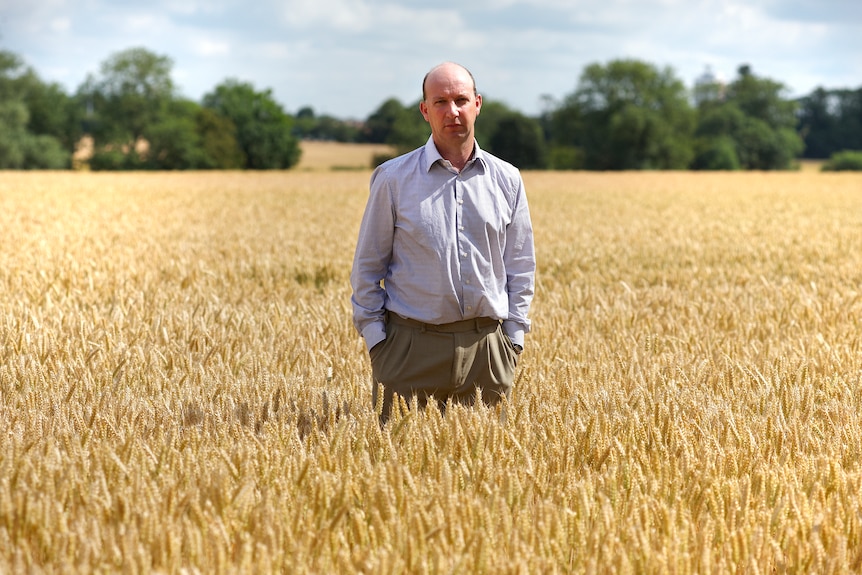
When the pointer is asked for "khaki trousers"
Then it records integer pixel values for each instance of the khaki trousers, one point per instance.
(448, 362)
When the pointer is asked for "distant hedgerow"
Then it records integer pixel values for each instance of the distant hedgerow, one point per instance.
(847, 160)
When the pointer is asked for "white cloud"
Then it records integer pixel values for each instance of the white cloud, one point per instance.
(206, 47)
(143, 22)
(185, 7)
(274, 50)
(59, 24)
(344, 15)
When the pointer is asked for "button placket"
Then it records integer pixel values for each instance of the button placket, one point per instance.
(463, 246)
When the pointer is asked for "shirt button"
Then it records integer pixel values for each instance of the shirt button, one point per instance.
(469, 307)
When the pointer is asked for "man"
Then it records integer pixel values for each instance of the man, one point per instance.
(444, 267)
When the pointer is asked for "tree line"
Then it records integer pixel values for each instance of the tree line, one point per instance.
(623, 115)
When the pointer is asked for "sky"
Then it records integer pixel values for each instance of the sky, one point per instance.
(344, 58)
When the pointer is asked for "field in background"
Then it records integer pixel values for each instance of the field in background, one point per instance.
(322, 156)
(811, 165)
(181, 388)
(316, 156)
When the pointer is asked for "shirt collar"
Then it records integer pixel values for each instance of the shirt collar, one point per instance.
(432, 155)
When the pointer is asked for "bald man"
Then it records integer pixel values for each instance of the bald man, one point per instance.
(444, 269)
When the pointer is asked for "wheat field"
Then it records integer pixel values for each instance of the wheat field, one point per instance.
(182, 391)
(328, 156)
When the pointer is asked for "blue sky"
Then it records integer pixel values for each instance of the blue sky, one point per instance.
(345, 57)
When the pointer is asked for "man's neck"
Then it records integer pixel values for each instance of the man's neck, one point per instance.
(459, 155)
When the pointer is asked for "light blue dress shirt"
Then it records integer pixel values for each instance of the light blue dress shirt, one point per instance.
(439, 246)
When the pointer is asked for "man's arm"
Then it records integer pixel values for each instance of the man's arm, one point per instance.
(520, 261)
(371, 262)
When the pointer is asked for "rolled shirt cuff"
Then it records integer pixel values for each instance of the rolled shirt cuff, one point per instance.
(515, 332)
(374, 333)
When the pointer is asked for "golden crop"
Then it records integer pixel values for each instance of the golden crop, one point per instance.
(181, 388)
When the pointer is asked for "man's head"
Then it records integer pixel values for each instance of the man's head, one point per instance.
(450, 104)
(446, 65)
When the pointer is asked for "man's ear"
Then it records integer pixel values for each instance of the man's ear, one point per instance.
(424, 109)
(478, 103)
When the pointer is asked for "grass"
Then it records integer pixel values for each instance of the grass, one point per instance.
(181, 389)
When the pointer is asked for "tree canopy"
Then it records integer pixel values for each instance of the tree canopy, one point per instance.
(512, 136)
(132, 93)
(751, 126)
(402, 127)
(830, 121)
(622, 115)
(626, 115)
(138, 121)
(263, 129)
(33, 119)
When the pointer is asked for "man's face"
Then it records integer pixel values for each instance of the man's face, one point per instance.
(451, 104)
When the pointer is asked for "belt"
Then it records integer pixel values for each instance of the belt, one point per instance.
(476, 324)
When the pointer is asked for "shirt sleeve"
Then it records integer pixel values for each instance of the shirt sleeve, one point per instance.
(371, 261)
(520, 261)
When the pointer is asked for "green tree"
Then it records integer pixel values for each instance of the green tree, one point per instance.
(304, 122)
(830, 121)
(411, 131)
(402, 127)
(13, 120)
(331, 128)
(307, 125)
(173, 139)
(760, 147)
(379, 123)
(716, 136)
(20, 147)
(50, 111)
(762, 98)
(626, 115)
(560, 124)
(752, 127)
(186, 136)
(133, 106)
(489, 117)
(218, 135)
(130, 95)
(263, 130)
(845, 160)
(520, 141)
(817, 123)
(717, 153)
